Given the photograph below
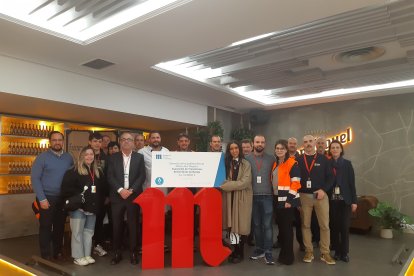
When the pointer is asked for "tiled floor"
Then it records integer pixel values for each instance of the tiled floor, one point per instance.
(370, 255)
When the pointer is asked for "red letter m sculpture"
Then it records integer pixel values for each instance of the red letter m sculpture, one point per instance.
(182, 202)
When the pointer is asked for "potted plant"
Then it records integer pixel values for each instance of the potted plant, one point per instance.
(388, 218)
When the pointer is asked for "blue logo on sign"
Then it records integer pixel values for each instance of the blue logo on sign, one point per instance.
(159, 180)
(158, 156)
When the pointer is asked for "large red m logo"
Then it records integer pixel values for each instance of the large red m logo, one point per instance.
(182, 202)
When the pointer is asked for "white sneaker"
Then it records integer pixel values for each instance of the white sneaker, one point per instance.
(90, 259)
(81, 261)
(98, 250)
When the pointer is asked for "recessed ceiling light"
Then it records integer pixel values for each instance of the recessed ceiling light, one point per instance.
(360, 55)
(83, 22)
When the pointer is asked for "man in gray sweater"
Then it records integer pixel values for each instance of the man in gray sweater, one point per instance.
(262, 212)
(47, 174)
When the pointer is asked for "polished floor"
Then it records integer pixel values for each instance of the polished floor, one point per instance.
(370, 255)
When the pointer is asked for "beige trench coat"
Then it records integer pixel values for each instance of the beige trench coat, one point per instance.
(238, 217)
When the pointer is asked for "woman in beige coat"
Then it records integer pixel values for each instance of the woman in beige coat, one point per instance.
(237, 199)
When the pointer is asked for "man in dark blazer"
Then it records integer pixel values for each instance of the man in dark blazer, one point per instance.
(126, 176)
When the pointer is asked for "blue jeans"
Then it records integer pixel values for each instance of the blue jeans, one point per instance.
(262, 220)
(82, 227)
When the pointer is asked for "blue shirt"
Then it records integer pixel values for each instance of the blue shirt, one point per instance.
(47, 173)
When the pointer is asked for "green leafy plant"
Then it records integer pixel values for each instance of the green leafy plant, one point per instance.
(204, 134)
(239, 134)
(388, 217)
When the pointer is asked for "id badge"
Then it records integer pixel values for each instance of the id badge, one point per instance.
(259, 179)
(337, 191)
(93, 189)
(126, 180)
(308, 184)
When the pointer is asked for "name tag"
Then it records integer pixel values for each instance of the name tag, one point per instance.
(308, 184)
(259, 179)
(126, 180)
(93, 189)
(337, 191)
(317, 164)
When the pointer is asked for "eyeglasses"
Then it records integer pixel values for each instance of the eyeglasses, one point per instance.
(56, 140)
(126, 140)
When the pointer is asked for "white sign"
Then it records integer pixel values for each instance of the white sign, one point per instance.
(187, 169)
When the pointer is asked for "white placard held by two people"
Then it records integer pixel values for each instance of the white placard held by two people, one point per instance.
(187, 169)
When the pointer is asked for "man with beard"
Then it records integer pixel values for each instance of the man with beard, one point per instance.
(316, 180)
(47, 174)
(262, 212)
(154, 145)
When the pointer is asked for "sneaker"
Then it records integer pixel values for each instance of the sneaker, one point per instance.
(308, 257)
(269, 259)
(257, 254)
(98, 250)
(81, 261)
(327, 259)
(90, 259)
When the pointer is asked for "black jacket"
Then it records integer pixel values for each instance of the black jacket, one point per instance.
(116, 175)
(345, 179)
(73, 184)
(321, 174)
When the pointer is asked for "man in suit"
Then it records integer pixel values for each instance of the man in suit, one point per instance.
(126, 176)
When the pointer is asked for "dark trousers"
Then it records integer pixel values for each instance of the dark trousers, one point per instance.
(285, 218)
(298, 226)
(102, 233)
(341, 217)
(118, 210)
(52, 225)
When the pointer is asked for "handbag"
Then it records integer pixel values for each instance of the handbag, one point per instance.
(75, 202)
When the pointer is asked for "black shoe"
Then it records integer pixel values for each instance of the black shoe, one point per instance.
(134, 258)
(116, 259)
(345, 258)
(337, 257)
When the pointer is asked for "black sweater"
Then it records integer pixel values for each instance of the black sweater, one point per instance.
(73, 184)
(321, 175)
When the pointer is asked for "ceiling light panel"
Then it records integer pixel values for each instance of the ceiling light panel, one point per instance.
(370, 44)
(83, 21)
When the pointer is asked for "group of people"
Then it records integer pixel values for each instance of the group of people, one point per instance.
(258, 187)
(290, 187)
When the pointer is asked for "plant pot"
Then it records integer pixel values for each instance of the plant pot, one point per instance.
(386, 233)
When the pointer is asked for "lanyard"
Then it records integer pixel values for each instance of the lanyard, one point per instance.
(259, 166)
(311, 166)
(92, 174)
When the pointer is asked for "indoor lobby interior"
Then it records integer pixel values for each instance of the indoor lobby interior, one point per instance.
(337, 69)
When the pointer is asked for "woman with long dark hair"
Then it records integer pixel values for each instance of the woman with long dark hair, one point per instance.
(237, 199)
(86, 178)
(343, 200)
(286, 183)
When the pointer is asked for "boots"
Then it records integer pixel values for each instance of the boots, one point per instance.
(238, 253)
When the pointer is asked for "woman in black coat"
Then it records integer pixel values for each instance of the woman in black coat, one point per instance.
(86, 178)
(343, 200)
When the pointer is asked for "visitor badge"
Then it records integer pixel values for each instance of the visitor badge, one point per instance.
(259, 179)
(337, 190)
(93, 189)
(308, 184)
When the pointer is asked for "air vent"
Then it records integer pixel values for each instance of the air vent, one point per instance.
(98, 64)
(360, 55)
